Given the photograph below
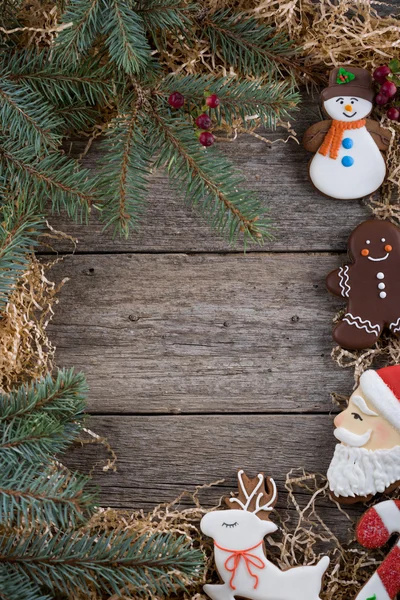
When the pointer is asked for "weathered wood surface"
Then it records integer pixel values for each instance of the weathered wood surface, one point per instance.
(200, 333)
(159, 457)
(201, 360)
(304, 219)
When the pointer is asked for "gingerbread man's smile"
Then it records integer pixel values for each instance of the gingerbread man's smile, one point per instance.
(378, 259)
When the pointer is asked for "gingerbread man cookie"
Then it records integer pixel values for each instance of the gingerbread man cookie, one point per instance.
(240, 558)
(367, 460)
(370, 285)
(374, 530)
(348, 162)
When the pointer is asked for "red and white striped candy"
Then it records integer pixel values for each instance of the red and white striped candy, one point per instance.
(375, 528)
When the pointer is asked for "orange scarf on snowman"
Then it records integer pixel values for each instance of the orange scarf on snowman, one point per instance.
(333, 138)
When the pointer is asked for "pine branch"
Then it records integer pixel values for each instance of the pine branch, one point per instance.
(87, 18)
(126, 37)
(32, 495)
(19, 229)
(52, 176)
(158, 564)
(42, 419)
(267, 103)
(124, 172)
(210, 181)
(249, 46)
(18, 586)
(26, 117)
(61, 83)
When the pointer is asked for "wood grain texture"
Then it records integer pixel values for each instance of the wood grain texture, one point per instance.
(278, 173)
(200, 333)
(159, 457)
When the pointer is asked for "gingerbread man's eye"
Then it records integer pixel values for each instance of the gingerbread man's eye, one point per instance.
(367, 241)
(383, 240)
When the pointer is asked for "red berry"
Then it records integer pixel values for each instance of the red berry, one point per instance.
(176, 100)
(213, 101)
(206, 138)
(380, 74)
(393, 113)
(388, 88)
(203, 121)
(381, 99)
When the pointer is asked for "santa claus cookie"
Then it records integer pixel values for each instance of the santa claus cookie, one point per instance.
(367, 460)
(240, 558)
(370, 285)
(374, 530)
(348, 163)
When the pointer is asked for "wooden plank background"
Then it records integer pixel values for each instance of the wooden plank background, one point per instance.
(201, 359)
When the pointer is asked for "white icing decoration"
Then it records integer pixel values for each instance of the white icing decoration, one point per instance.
(361, 324)
(383, 240)
(378, 259)
(381, 286)
(395, 326)
(352, 439)
(381, 580)
(361, 179)
(382, 294)
(380, 275)
(249, 498)
(360, 472)
(367, 241)
(344, 281)
(362, 405)
(241, 562)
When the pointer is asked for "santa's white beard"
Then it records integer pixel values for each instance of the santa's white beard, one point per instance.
(360, 472)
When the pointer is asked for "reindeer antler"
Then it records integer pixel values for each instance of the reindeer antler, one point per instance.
(252, 493)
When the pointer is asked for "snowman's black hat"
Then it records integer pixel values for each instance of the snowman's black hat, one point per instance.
(349, 81)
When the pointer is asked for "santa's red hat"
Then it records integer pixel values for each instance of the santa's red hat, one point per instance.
(382, 388)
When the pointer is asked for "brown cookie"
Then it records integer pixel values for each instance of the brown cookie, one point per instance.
(370, 285)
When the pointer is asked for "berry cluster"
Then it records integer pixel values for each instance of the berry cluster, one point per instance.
(203, 121)
(386, 76)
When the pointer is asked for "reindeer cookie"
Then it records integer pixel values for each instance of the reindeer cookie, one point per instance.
(240, 559)
(370, 285)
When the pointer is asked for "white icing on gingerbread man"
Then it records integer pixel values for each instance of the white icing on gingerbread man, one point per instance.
(239, 549)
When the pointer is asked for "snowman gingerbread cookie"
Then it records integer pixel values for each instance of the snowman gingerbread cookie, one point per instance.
(370, 285)
(348, 162)
(239, 552)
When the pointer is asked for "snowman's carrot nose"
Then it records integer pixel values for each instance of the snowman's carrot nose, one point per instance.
(348, 107)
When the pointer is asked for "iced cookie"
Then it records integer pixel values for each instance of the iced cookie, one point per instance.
(370, 285)
(367, 460)
(240, 558)
(348, 162)
(374, 530)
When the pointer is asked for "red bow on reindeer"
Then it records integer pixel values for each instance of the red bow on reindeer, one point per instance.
(232, 562)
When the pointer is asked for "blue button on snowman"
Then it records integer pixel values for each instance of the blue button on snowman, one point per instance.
(347, 161)
(347, 143)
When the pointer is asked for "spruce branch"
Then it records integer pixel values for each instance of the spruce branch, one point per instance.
(124, 172)
(62, 396)
(39, 420)
(52, 176)
(165, 15)
(18, 586)
(248, 45)
(87, 18)
(50, 496)
(26, 117)
(210, 180)
(252, 101)
(126, 37)
(61, 83)
(20, 227)
(150, 564)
